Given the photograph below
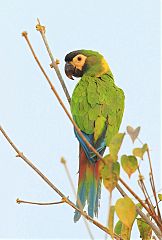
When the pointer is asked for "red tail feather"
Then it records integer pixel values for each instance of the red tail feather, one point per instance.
(88, 185)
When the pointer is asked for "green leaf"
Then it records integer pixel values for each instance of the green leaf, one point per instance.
(144, 229)
(145, 147)
(118, 227)
(115, 144)
(139, 152)
(126, 211)
(99, 127)
(110, 172)
(129, 164)
(122, 230)
(160, 196)
(133, 133)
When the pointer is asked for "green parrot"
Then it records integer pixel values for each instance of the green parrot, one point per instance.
(97, 107)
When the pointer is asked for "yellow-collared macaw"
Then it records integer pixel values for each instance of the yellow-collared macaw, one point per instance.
(97, 107)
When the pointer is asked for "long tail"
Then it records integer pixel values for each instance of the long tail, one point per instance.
(89, 186)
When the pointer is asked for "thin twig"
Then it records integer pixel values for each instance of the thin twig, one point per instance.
(140, 140)
(153, 183)
(24, 34)
(145, 192)
(156, 192)
(63, 161)
(39, 203)
(147, 200)
(41, 29)
(70, 203)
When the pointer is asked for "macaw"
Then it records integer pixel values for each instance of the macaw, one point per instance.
(97, 107)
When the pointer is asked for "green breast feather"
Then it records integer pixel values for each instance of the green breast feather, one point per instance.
(95, 98)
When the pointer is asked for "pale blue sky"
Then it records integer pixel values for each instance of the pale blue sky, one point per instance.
(127, 33)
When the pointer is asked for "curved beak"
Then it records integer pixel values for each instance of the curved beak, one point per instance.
(69, 70)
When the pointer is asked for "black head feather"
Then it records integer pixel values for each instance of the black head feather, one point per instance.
(69, 57)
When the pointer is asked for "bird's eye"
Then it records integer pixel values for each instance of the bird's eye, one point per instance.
(79, 58)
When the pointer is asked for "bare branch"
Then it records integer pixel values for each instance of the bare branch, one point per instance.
(39, 203)
(54, 64)
(145, 192)
(153, 183)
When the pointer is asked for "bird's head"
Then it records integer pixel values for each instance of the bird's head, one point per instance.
(81, 62)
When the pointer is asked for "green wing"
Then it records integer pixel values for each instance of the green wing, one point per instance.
(96, 100)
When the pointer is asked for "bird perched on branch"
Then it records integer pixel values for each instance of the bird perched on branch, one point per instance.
(97, 107)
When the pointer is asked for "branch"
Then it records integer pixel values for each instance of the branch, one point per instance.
(152, 179)
(70, 203)
(54, 64)
(24, 34)
(40, 203)
(145, 192)
(153, 183)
